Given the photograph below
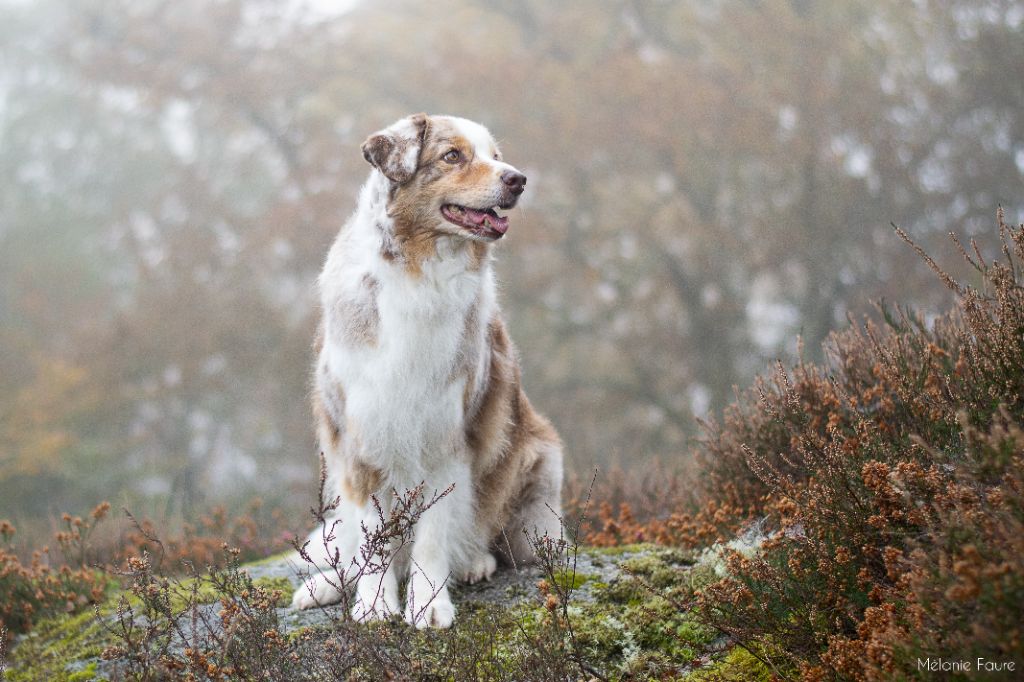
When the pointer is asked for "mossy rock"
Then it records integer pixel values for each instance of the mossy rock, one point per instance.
(58, 648)
(619, 618)
(739, 664)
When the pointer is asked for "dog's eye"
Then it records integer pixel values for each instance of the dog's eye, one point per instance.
(452, 156)
(497, 157)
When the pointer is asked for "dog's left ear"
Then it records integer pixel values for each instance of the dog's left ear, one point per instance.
(395, 151)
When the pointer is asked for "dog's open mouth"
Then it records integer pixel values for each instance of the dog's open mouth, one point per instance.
(483, 223)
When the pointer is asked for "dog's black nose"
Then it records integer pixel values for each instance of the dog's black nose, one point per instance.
(515, 181)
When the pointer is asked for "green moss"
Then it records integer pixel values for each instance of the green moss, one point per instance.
(206, 592)
(661, 626)
(181, 595)
(571, 580)
(621, 550)
(84, 675)
(637, 626)
(659, 568)
(605, 639)
(54, 644)
(270, 559)
(281, 584)
(694, 632)
(485, 640)
(653, 571)
(645, 640)
(620, 591)
(739, 665)
(700, 576)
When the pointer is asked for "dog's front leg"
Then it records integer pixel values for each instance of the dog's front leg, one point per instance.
(377, 586)
(439, 538)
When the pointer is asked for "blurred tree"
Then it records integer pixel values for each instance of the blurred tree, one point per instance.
(707, 180)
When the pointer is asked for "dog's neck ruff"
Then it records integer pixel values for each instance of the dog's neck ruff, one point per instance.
(399, 341)
(430, 254)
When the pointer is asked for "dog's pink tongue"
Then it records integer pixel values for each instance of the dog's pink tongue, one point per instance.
(497, 223)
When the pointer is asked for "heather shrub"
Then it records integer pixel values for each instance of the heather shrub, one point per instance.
(892, 479)
(215, 626)
(69, 576)
(647, 504)
(39, 588)
(959, 588)
(256, 532)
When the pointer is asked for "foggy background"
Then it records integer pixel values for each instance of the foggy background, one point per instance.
(709, 179)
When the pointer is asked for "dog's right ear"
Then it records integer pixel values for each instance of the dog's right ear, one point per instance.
(395, 151)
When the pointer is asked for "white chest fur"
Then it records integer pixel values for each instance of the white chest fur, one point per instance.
(403, 400)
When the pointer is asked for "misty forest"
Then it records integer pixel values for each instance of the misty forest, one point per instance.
(730, 282)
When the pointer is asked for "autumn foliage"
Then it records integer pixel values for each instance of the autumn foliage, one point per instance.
(254, 533)
(35, 589)
(76, 573)
(894, 480)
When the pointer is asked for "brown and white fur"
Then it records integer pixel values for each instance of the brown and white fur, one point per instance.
(416, 379)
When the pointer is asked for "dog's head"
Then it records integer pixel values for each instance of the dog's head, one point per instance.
(447, 176)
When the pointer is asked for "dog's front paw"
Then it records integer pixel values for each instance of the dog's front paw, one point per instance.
(481, 569)
(315, 591)
(366, 611)
(439, 613)
(376, 599)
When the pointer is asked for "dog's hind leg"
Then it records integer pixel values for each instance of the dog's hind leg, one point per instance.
(482, 567)
(540, 513)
